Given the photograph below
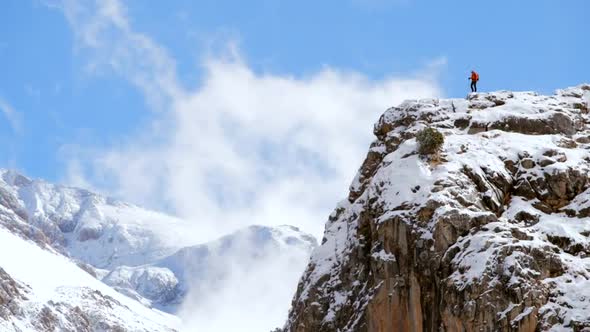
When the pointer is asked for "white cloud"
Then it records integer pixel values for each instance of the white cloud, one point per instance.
(255, 148)
(103, 33)
(254, 287)
(11, 115)
(243, 148)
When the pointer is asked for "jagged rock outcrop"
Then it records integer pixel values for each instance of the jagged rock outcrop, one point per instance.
(158, 285)
(11, 291)
(493, 235)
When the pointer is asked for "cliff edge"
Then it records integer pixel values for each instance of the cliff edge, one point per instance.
(493, 235)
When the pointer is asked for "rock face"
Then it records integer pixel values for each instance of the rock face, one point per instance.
(10, 292)
(493, 235)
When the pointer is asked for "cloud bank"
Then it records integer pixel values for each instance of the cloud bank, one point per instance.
(249, 148)
(249, 291)
(242, 148)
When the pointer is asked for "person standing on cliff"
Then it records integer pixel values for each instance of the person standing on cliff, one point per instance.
(474, 78)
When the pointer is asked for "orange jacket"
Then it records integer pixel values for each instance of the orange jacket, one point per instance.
(474, 76)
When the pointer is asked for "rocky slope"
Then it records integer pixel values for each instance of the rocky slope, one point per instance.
(74, 260)
(41, 290)
(494, 235)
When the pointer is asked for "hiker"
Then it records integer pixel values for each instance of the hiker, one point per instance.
(474, 78)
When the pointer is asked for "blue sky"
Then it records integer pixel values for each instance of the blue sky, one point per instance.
(65, 98)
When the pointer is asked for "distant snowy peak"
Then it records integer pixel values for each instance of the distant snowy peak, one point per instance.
(491, 235)
(249, 245)
(164, 283)
(262, 236)
(98, 230)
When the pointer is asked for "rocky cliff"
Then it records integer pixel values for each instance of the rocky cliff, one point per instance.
(492, 235)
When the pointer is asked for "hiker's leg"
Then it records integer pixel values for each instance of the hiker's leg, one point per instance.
(472, 89)
(475, 86)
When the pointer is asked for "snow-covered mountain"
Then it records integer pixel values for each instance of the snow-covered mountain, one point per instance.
(74, 260)
(97, 230)
(164, 282)
(491, 235)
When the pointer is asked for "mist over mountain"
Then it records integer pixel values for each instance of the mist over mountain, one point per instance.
(74, 260)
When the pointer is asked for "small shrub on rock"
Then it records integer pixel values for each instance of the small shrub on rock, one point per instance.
(429, 141)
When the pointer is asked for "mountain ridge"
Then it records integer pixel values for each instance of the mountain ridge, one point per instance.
(87, 262)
